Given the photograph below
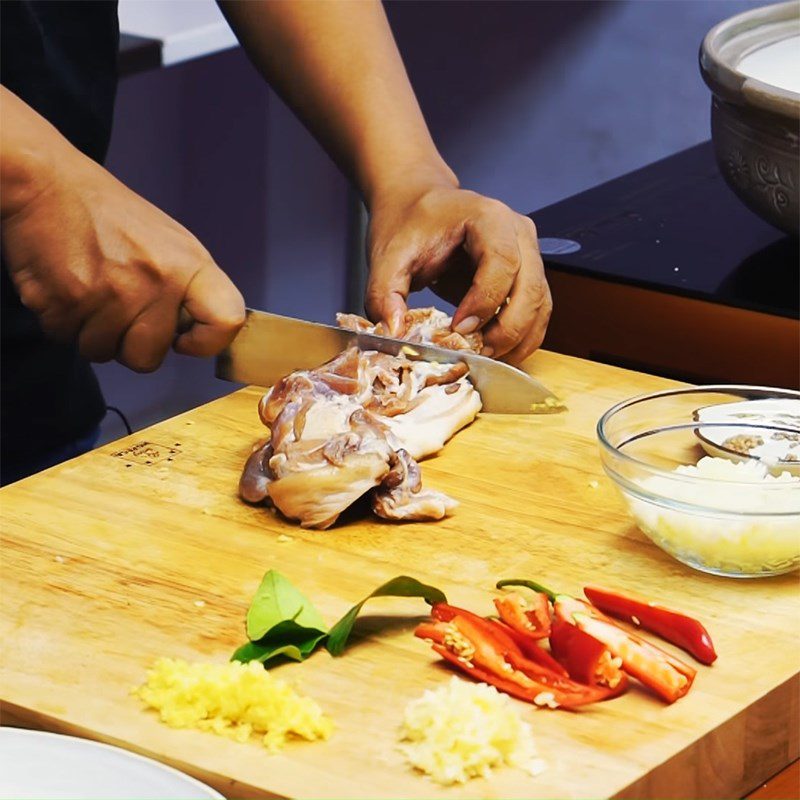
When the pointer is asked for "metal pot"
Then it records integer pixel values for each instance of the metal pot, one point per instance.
(755, 126)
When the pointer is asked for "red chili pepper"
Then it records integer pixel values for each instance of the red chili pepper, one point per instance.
(484, 650)
(533, 650)
(479, 674)
(586, 659)
(489, 641)
(673, 626)
(531, 618)
(566, 691)
(502, 635)
(667, 676)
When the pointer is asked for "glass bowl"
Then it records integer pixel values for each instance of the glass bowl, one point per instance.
(725, 510)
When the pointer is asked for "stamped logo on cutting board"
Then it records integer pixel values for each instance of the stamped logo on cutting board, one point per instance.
(148, 453)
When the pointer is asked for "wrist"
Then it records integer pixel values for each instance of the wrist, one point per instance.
(23, 177)
(408, 182)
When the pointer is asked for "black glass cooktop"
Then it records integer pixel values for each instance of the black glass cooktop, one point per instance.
(675, 226)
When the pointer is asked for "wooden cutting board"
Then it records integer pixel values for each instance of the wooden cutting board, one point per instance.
(106, 559)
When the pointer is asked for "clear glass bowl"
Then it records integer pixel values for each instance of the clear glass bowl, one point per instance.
(743, 525)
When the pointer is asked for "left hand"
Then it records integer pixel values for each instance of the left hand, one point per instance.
(472, 251)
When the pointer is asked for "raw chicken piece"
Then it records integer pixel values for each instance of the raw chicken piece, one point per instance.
(354, 424)
(423, 325)
(401, 496)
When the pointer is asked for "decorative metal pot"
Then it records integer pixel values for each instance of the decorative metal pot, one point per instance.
(755, 125)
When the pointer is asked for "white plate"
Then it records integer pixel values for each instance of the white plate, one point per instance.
(35, 764)
(755, 420)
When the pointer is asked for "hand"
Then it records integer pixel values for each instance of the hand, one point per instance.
(97, 262)
(472, 251)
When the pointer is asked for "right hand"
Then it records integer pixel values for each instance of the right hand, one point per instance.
(98, 263)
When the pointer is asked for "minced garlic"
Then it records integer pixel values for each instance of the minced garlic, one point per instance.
(462, 730)
(234, 699)
(551, 403)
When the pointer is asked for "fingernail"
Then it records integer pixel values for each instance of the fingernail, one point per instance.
(395, 323)
(487, 351)
(467, 325)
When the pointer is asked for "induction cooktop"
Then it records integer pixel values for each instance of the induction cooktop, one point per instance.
(675, 226)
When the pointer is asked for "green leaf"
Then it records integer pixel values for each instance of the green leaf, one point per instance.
(276, 601)
(402, 586)
(287, 639)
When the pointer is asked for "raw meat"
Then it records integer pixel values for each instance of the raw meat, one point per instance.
(359, 423)
(424, 325)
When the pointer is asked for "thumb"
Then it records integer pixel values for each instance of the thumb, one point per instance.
(387, 290)
(213, 313)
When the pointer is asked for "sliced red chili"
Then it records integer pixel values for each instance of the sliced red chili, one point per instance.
(490, 644)
(565, 607)
(667, 676)
(506, 685)
(518, 684)
(433, 631)
(446, 612)
(486, 650)
(586, 659)
(672, 626)
(566, 692)
(532, 649)
(531, 618)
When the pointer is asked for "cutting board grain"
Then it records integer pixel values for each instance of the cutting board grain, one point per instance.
(105, 558)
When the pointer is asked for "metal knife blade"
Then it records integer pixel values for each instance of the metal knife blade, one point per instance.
(270, 346)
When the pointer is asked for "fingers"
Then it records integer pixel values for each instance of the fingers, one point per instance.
(142, 342)
(101, 334)
(454, 240)
(387, 289)
(519, 327)
(535, 336)
(492, 243)
(217, 309)
(148, 338)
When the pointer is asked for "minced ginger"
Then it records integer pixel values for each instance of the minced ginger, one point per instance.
(234, 700)
(463, 730)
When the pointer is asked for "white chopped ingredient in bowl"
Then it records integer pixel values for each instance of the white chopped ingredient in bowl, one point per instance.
(721, 494)
(764, 538)
(463, 730)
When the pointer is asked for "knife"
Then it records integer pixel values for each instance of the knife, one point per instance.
(269, 347)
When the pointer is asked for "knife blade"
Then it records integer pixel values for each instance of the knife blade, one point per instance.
(270, 346)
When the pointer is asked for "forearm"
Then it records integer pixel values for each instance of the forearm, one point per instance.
(336, 64)
(29, 145)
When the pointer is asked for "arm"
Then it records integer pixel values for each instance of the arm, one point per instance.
(95, 261)
(337, 65)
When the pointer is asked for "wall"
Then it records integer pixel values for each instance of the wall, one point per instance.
(529, 102)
